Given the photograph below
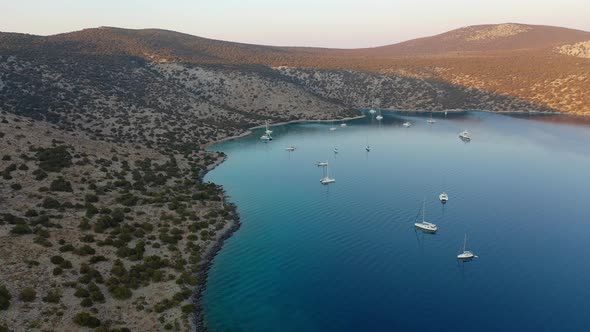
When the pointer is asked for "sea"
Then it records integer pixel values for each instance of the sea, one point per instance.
(347, 257)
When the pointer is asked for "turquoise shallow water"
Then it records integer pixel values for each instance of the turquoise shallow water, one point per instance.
(346, 257)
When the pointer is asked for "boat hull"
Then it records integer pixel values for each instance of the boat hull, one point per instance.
(426, 228)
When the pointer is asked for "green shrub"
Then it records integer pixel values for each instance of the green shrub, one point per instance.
(57, 271)
(86, 320)
(50, 203)
(91, 198)
(85, 250)
(188, 308)
(57, 260)
(60, 184)
(53, 296)
(66, 247)
(27, 295)
(20, 229)
(54, 159)
(86, 303)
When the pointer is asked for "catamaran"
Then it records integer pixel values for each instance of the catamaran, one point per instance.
(443, 197)
(465, 135)
(327, 179)
(425, 225)
(466, 253)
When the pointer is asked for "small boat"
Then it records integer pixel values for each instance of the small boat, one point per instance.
(379, 117)
(343, 125)
(431, 120)
(335, 150)
(443, 197)
(406, 124)
(332, 128)
(465, 135)
(267, 131)
(466, 255)
(368, 148)
(327, 179)
(321, 163)
(291, 148)
(266, 137)
(372, 111)
(425, 225)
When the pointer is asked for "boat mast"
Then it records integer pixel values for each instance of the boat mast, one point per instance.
(465, 242)
(424, 210)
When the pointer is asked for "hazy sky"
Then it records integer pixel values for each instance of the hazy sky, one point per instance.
(328, 23)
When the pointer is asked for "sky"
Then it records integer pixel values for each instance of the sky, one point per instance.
(318, 23)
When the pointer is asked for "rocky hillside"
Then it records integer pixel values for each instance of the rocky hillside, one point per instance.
(522, 64)
(99, 234)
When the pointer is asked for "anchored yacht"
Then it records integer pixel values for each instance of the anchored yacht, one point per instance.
(425, 225)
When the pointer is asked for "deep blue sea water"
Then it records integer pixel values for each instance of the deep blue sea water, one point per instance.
(346, 257)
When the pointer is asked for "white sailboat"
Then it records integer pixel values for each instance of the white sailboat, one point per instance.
(379, 117)
(465, 135)
(267, 131)
(406, 124)
(368, 148)
(327, 179)
(321, 163)
(290, 148)
(336, 150)
(342, 125)
(425, 225)
(466, 253)
(443, 197)
(372, 111)
(266, 137)
(431, 120)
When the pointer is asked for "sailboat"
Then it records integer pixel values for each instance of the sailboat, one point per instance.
(425, 225)
(336, 150)
(465, 135)
(379, 117)
(368, 148)
(343, 125)
(322, 163)
(267, 131)
(431, 120)
(290, 148)
(327, 179)
(266, 136)
(443, 197)
(466, 255)
(406, 124)
(372, 111)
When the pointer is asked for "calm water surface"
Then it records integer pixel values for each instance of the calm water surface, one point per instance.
(346, 257)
